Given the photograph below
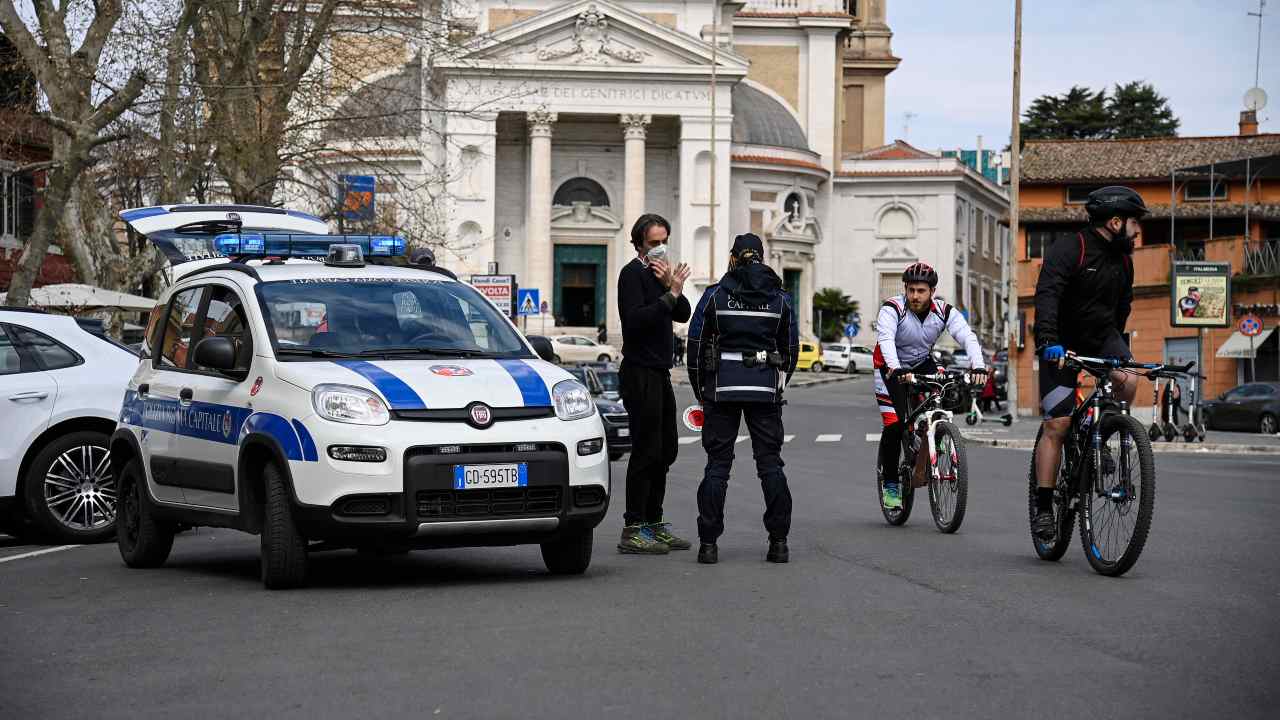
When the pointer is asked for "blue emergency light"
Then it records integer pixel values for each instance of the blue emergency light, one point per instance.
(286, 245)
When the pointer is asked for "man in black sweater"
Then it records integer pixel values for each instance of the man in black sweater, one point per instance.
(650, 298)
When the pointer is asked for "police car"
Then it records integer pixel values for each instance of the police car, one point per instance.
(320, 391)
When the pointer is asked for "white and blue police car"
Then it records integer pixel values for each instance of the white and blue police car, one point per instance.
(322, 392)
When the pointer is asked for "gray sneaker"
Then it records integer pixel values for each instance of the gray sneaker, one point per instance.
(639, 540)
(662, 532)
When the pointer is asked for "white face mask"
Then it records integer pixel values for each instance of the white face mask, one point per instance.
(657, 252)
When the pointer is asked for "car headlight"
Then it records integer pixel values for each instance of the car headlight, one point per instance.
(572, 400)
(347, 404)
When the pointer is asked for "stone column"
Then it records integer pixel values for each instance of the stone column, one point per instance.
(538, 251)
(634, 130)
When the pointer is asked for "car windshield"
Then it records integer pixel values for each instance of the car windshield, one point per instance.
(609, 379)
(361, 317)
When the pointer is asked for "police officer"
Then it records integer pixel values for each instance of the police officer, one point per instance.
(743, 342)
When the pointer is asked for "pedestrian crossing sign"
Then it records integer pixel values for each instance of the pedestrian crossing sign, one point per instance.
(528, 302)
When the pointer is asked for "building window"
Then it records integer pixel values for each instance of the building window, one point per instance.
(851, 7)
(1079, 194)
(581, 189)
(1040, 237)
(1198, 191)
(17, 205)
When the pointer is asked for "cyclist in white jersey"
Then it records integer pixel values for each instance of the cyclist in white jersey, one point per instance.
(907, 327)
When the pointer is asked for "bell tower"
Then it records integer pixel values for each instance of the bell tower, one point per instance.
(867, 58)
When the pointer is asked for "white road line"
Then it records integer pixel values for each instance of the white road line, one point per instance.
(741, 438)
(828, 438)
(788, 438)
(689, 439)
(873, 437)
(34, 553)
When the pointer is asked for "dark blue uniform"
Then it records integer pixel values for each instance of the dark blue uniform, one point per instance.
(743, 343)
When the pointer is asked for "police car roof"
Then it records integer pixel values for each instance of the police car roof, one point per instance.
(301, 269)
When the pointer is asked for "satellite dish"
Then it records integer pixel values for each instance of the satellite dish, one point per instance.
(1255, 99)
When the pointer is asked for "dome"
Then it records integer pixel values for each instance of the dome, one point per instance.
(758, 119)
(388, 107)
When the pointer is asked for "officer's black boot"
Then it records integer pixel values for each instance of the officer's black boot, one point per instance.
(708, 554)
(778, 552)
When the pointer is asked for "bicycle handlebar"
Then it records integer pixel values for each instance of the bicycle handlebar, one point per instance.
(1094, 364)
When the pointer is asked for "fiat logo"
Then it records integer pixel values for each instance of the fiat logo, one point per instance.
(481, 415)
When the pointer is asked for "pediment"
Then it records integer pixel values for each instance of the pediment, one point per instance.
(591, 34)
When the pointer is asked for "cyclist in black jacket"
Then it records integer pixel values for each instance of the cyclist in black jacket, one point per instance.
(1083, 298)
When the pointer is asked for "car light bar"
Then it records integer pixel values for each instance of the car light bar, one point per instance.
(299, 245)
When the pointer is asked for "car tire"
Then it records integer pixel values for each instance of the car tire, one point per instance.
(570, 555)
(284, 550)
(615, 456)
(556, 359)
(816, 367)
(1267, 424)
(604, 357)
(851, 368)
(71, 473)
(144, 542)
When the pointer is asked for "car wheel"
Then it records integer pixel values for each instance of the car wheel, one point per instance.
(284, 550)
(144, 542)
(70, 489)
(851, 368)
(570, 555)
(556, 359)
(1267, 424)
(816, 367)
(604, 357)
(615, 456)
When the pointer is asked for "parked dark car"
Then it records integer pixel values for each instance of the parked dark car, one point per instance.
(617, 428)
(1252, 407)
(610, 380)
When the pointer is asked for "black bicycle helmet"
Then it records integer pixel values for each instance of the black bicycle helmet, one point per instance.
(920, 272)
(1114, 201)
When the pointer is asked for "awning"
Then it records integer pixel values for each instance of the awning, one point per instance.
(1237, 346)
(85, 297)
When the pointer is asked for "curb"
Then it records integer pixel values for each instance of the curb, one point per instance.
(1197, 449)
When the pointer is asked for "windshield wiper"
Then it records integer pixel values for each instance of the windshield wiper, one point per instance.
(315, 352)
(438, 352)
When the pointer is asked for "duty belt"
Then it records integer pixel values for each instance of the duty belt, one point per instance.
(753, 358)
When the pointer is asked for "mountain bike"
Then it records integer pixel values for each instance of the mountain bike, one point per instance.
(1106, 474)
(929, 425)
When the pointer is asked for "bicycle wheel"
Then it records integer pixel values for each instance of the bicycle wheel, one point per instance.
(1063, 510)
(895, 516)
(1114, 524)
(949, 491)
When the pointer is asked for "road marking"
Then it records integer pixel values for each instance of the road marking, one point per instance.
(828, 438)
(689, 439)
(788, 438)
(741, 438)
(873, 437)
(34, 553)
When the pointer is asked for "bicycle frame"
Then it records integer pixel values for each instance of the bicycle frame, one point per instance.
(929, 413)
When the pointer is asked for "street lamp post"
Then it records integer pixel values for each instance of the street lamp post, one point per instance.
(1015, 174)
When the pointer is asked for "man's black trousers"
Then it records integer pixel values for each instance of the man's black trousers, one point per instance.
(719, 433)
(651, 414)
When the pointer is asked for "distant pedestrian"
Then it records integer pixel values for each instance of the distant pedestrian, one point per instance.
(743, 345)
(650, 299)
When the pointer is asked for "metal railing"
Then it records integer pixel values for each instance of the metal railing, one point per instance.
(1189, 253)
(1262, 257)
(792, 6)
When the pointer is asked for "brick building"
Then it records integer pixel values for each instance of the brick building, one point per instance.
(1203, 208)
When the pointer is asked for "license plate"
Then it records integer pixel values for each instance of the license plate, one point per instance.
(483, 477)
(624, 432)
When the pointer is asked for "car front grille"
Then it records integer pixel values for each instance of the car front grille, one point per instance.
(503, 502)
(615, 418)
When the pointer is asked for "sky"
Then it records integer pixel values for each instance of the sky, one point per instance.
(957, 61)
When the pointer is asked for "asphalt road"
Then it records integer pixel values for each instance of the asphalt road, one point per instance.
(865, 619)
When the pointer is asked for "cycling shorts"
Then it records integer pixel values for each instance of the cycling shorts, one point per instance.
(1058, 384)
(891, 395)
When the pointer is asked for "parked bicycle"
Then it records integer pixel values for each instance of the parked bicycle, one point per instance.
(929, 425)
(1107, 473)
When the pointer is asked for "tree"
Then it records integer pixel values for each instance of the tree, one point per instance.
(835, 307)
(1078, 114)
(1138, 111)
(71, 79)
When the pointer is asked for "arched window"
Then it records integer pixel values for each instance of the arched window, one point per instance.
(581, 189)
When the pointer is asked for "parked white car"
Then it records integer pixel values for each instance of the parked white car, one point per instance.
(576, 348)
(846, 357)
(62, 386)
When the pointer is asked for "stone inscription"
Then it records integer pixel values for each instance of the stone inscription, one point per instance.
(524, 95)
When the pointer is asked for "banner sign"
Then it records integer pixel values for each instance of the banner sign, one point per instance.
(356, 196)
(1200, 295)
(500, 289)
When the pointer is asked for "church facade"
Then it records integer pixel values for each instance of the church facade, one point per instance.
(561, 122)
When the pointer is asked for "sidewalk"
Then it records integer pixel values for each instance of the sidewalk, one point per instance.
(1022, 434)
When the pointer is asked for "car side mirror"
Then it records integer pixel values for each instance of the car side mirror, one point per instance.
(542, 346)
(217, 353)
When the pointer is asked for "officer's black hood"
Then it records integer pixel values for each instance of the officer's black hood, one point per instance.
(751, 282)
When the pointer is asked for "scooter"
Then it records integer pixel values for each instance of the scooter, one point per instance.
(1159, 427)
(975, 416)
(1194, 428)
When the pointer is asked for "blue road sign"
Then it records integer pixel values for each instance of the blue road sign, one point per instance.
(527, 301)
(851, 329)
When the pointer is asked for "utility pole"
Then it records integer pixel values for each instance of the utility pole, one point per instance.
(1015, 175)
